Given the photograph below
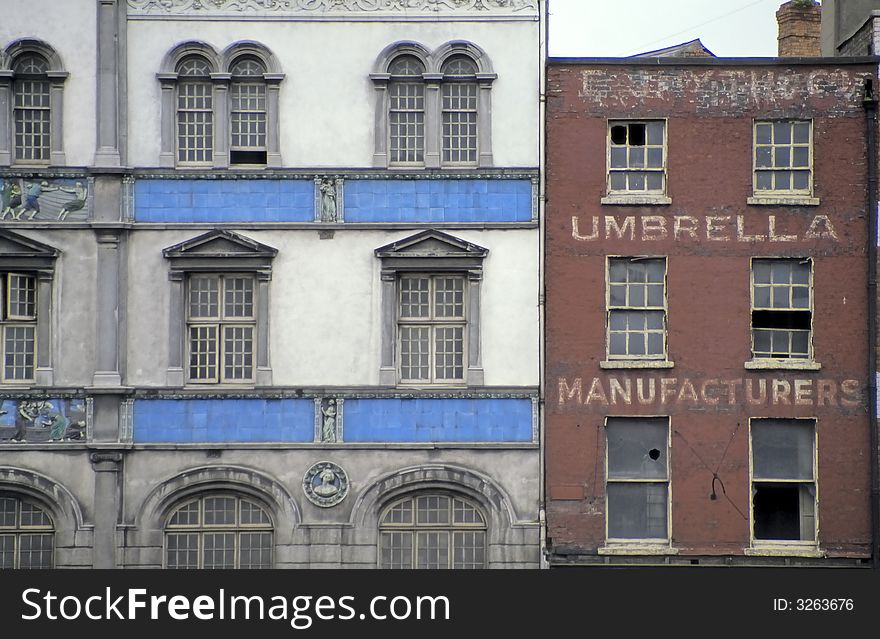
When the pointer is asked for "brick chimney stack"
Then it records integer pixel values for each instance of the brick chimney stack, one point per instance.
(799, 29)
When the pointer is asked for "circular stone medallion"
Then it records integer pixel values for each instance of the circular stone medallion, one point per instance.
(325, 484)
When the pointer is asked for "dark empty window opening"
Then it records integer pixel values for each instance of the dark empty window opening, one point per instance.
(783, 511)
(247, 157)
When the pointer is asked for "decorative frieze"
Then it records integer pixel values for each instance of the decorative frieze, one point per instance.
(43, 420)
(37, 199)
(313, 7)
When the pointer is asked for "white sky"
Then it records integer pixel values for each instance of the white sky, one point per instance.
(603, 28)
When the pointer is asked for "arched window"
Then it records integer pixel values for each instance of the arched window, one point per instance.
(195, 112)
(27, 534)
(248, 112)
(32, 112)
(406, 110)
(460, 95)
(432, 531)
(219, 531)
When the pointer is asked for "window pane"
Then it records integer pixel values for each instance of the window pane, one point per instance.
(415, 353)
(203, 349)
(239, 297)
(396, 549)
(19, 352)
(8, 512)
(802, 132)
(801, 156)
(219, 550)
(449, 297)
(618, 157)
(22, 296)
(763, 157)
(465, 513)
(186, 515)
(414, 297)
(655, 133)
(402, 513)
(782, 449)
(433, 509)
(238, 353)
(35, 551)
(449, 353)
(763, 133)
(252, 514)
(219, 511)
(637, 510)
(469, 549)
(637, 448)
(255, 550)
(781, 133)
(432, 550)
(204, 296)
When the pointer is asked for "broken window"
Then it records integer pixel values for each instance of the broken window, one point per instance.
(783, 157)
(637, 478)
(637, 157)
(784, 479)
(781, 308)
(636, 308)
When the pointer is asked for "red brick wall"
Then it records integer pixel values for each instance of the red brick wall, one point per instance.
(710, 111)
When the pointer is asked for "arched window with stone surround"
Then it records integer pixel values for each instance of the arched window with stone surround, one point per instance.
(432, 530)
(32, 113)
(247, 117)
(27, 533)
(459, 107)
(32, 96)
(219, 530)
(406, 111)
(195, 112)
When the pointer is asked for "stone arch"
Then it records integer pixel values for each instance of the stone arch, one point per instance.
(58, 501)
(492, 499)
(402, 47)
(249, 48)
(22, 46)
(282, 508)
(461, 47)
(191, 47)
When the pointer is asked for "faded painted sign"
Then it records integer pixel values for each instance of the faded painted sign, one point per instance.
(42, 420)
(691, 228)
(708, 393)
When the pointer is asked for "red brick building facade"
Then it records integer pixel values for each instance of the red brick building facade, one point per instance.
(706, 304)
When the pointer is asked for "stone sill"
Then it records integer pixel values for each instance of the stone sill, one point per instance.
(784, 550)
(636, 200)
(636, 363)
(782, 365)
(637, 549)
(779, 200)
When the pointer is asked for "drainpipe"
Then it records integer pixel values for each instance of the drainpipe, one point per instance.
(870, 105)
(543, 31)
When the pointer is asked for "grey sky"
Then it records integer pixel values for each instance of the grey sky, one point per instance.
(625, 27)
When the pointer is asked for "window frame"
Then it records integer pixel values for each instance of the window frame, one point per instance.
(792, 363)
(639, 545)
(238, 81)
(10, 321)
(800, 197)
(220, 322)
(33, 259)
(218, 253)
(646, 360)
(805, 547)
(442, 254)
(222, 81)
(201, 529)
(414, 527)
(645, 196)
(55, 77)
(433, 80)
(18, 530)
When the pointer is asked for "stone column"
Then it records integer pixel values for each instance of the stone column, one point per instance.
(380, 115)
(388, 367)
(107, 344)
(44, 372)
(433, 116)
(107, 152)
(484, 119)
(475, 355)
(221, 119)
(5, 124)
(56, 108)
(264, 370)
(174, 376)
(107, 466)
(273, 128)
(169, 110)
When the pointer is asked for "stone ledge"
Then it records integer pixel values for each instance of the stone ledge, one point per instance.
(636, 363)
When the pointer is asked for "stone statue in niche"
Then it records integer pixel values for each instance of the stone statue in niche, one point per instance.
(329, 207)
(328, 423)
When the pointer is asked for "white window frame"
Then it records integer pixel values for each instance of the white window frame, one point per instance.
(432, 323)
(772, 169)
(793, 363)
(220, 323)
(640, 545)
(795, 547)
(628, 196)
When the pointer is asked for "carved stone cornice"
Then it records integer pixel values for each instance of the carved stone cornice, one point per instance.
(281, 7)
